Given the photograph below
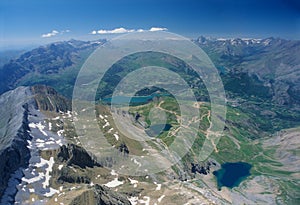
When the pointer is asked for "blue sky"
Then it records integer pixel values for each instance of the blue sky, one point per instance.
(25, 21)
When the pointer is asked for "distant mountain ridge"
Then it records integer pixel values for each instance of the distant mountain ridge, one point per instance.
(273, 61)
(240, 41)
(32, 66)
(272, 64)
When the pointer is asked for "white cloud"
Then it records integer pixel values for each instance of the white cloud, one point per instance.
(153, 29)
(48, 35)
(124, 30)
(116, 30)
(94, 32)
(54, 33)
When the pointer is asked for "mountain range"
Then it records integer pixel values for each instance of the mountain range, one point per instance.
(271, 63)
(45, 162)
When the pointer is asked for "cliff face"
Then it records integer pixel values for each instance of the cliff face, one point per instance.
(14, 153)
(75, 155)
(15, 110)
(100, 195)
(47, 99)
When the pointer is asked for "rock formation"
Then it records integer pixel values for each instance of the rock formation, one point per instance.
(100, 195)
(14, 153)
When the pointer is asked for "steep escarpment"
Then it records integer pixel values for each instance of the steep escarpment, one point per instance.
(76, 155)
(17, 106)
(48, 99)
(100, 195)
(13, 134)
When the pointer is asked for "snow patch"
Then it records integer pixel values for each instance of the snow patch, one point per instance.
(160, 198)
(133, 200)
(146, 200)
(113, 173)
(42, 163)
(134, 182)
(48, 171)
(51, 192)
(158, 186)
(60, 132)
(38, 126)
(114, 183)
(69, 113)
(60, 166)
(116, 136)
(106, 124)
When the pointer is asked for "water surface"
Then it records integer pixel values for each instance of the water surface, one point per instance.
(232, 174)
(157, 129)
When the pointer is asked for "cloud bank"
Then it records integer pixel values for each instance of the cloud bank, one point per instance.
(153, 29)
(54, 33)
(124, 30)
(48, 35)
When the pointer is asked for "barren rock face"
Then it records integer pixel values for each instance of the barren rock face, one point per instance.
(75, 155)
(48, 99)
(100, 195)
(16, 106)
(13, 134)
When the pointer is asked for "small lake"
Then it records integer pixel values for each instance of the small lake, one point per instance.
(232, 174)
(157, 129)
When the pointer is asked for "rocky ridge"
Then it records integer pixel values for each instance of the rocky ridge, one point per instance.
(14, 134)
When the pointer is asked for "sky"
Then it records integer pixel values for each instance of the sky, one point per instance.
(42, 21)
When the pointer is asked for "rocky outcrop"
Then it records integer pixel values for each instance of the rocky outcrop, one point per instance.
(14, 153)
(17, 108)
(203, 168)
(48, 99)
(123, 149)
(68, 174)
(106, 196)
(76, 155)
(100, 195)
